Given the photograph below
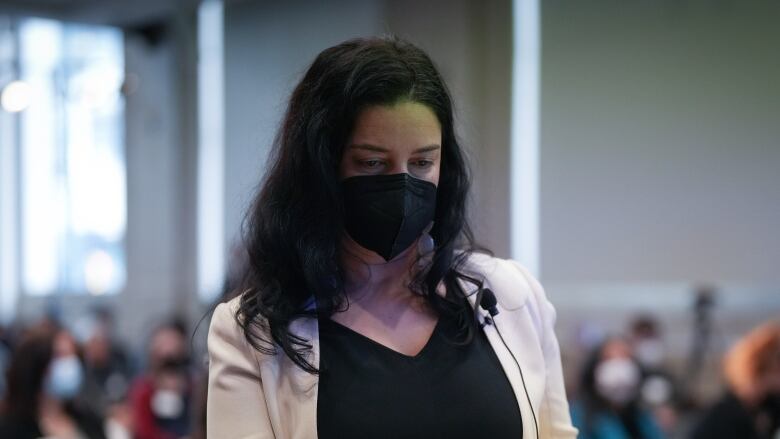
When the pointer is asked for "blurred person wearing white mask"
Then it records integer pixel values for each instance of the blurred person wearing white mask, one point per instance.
(660, 387)
(45, 376)
(608, 405)
(161, 397)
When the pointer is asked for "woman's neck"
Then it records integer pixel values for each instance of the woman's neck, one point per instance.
(368, 277)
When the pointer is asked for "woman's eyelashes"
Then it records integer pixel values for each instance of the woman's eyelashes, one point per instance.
(371, 164)
(414, 166)
(423, 163)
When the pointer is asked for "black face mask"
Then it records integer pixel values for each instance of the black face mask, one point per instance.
(387, 213)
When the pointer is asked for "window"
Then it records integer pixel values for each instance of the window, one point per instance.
(71, 182)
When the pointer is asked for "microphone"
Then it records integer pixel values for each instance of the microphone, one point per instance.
(488, 302)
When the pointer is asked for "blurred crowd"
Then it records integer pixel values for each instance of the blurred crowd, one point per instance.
(627, 389)
(82, 383)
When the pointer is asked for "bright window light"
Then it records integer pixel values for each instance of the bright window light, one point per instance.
(15, 96)
(73, 182)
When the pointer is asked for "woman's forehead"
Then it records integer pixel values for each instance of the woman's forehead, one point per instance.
(406, 125)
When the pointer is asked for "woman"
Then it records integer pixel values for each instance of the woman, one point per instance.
(608, 407)
(44, 378)
(360, 312)
(750, 409)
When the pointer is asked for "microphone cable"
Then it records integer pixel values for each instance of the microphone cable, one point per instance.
(488, 302)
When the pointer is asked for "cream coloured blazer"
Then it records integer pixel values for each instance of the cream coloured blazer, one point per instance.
(256, 396)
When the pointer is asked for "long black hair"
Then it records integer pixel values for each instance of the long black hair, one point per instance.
(293, 229)
(27, 372)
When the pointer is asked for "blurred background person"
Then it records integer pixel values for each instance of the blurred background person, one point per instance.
(107, 369)
(657, 392)
(644, 334)
(5, 356)
(44, 378)
(608, 404)
(750, 408)
(162, 395)
(108, 366)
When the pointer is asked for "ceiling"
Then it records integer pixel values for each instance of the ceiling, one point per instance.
(124, 13)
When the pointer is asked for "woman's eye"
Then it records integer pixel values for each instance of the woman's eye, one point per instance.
(371, 164)
(423, 163)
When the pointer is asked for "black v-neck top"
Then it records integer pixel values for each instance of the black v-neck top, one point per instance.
(367, 390)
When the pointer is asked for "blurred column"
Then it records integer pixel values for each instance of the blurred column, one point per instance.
(161, 139)
(211, 151)
(524, 156)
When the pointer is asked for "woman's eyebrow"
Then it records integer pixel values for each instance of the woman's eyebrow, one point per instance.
(375, 148)
(428, 148)
(368, 147)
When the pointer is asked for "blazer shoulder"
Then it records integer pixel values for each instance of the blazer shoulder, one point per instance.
(224, 326)
(512, 283)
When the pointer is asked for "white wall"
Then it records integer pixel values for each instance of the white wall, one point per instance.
(660, 156)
